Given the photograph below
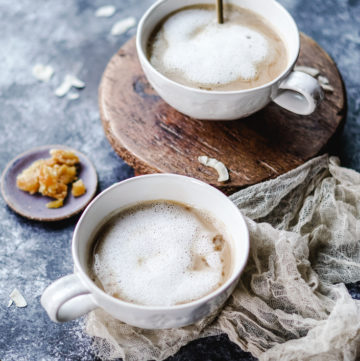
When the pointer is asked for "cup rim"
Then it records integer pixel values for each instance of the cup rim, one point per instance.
(95, 289)
(144, 59)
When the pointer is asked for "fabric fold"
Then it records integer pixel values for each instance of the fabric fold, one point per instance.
(291, 302)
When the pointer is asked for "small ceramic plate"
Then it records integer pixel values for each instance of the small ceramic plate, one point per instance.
(34, 206)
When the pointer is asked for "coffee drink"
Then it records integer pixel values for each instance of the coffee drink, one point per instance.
(160, 253)
(191, 48)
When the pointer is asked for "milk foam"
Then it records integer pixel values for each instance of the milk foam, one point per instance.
(209, 53)
(147, 256)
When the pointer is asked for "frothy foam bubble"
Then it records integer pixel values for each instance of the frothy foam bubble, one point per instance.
(209, 53)
(147, 256)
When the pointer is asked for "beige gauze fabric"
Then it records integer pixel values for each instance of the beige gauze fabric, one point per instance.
(291, 302)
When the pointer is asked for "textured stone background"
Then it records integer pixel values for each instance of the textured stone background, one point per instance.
(67, 35)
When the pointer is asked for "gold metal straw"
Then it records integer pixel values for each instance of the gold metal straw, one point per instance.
(219, 10)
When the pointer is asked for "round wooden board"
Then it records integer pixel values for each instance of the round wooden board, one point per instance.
(152, 137)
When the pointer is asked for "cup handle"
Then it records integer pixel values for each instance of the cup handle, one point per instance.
(66, 299)
(299, 93)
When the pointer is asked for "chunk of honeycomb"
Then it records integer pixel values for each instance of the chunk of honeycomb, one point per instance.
(51, 176)
(50, 183)
(28, 180)
(78, 188)
(66, 174)
(64, 156)
(55, 204)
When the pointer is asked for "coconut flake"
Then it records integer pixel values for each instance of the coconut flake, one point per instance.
(105, 11)
(43, 72)
(63, 88)
(77, 83)
(323, 80)
(308, 70)
(73, 96)
(327, 87)
(123, 25)
(325, 83)
(66, 85)
(10, 303)
(217, 165)
(18, 298)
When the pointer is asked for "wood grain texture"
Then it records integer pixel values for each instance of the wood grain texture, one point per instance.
(152, 137)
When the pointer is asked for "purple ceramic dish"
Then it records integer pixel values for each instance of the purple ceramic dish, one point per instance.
(34, 206)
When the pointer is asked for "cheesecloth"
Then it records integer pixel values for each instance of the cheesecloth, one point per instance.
(291, 302)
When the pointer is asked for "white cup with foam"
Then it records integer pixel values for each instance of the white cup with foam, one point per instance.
(293, 90)
(74, 295)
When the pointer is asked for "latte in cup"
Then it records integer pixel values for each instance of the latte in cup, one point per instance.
(160, 253)
(191, 48)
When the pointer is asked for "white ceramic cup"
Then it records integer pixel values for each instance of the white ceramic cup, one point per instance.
(76, 294)
(293, 90)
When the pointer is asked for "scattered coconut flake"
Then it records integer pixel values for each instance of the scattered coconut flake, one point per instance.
(105, 11)
(323, 80)
(325, 83)
(66, 85)
(10, 303)
(43, 72)
(18, 298)
(308, 70)
(77, 83)
(63, 88)
(73, 96)
(217, 165)
(327, 87)
(123, 25)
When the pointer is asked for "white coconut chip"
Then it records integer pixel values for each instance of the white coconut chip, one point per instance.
(63, 88)
(217, 165)
(325, 83)
(77, 83)
(66, 85)
(327, 87)
(105, 11)
(10, 303)
(323, 80)
(18, 298)
(308, 70)
(43, 72)
(73, 96)
(123, 25)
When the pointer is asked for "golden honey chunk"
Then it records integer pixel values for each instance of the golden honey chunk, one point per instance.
(51, 176)
(66, 174)
(28, 180)
(64, 156)
(78, 188)
(50, 182)
(55, 204)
